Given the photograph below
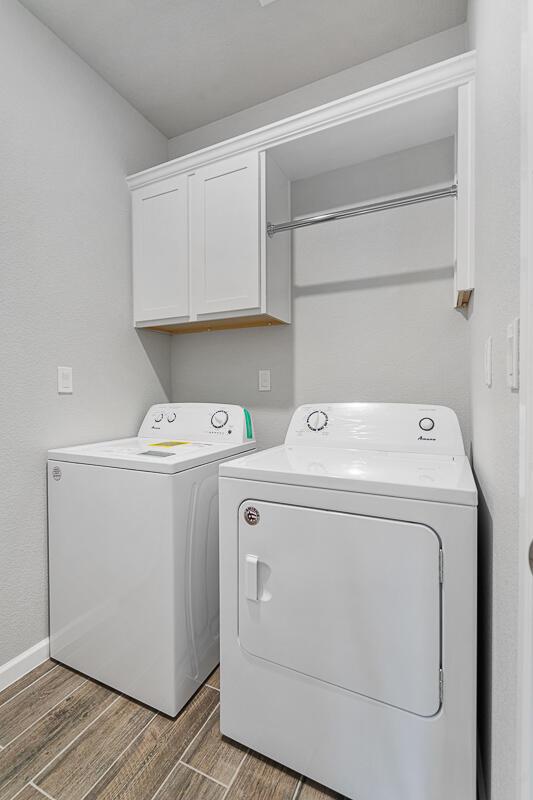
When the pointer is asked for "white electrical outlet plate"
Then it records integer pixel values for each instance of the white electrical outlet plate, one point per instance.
(64, 380)
(264, 380)
(512, 350)
(487, 361)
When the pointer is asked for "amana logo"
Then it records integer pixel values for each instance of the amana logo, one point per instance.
(426, 439)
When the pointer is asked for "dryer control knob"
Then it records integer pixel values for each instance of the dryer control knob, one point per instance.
(219, 419)
(317, 420)
(426, 424)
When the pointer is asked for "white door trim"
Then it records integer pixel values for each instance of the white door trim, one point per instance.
(524, 766)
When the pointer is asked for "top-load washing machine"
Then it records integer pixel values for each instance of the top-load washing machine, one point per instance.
(348, 601)
(133, 551)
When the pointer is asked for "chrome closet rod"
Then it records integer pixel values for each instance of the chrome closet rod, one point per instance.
(368, 208)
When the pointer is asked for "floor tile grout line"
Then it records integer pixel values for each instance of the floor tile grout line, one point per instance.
(215, 688)
(48, 672)
(41, 791)
(232, 781)
(203, 774)
(298, 787)
(184, 753)
(75, 739)
(125, 750)
(198, 732)
(35, 721)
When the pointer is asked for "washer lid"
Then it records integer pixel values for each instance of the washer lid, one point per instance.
(439, 478)
(149, 454)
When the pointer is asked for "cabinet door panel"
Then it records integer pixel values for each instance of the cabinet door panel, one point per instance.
(161, 250)
(225, 235)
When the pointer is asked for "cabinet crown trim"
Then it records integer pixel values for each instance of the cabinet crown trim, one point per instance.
(434, 78)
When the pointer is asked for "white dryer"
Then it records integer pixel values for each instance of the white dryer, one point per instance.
(133, 551)
(348, 601)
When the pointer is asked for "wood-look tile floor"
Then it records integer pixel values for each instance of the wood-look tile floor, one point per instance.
(65, 737)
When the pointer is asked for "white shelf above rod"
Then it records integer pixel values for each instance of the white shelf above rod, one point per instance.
(367, 208)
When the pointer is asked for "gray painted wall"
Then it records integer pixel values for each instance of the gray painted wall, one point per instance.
(67, 140)
(495, 29)
(414, 56)
(373, 315)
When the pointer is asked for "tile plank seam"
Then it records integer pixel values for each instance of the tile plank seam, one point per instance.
(41, 791)
(298, 787)
(25, 689)
(48, 711)
(215, 688)
(203, 774)
(199, 731)
(124, 751)
(183, 754)
(245, 756)
(75, 739)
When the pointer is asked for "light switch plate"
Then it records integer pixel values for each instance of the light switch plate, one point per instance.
(264, 380)
(513, 338)
(64, 380)
(487, 361)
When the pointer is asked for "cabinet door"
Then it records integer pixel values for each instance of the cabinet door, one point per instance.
(225, 256)
(161, 250)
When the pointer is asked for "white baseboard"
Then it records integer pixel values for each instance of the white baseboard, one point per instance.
(12, 670)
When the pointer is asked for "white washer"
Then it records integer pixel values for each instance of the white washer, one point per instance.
(348, 601)
(133, 551)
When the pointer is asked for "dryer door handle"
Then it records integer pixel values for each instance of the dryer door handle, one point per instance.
(251, 583)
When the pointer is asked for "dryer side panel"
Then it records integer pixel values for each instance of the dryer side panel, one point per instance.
(350, 600)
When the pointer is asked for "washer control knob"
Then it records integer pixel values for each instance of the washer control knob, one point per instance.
(171, 416)
(158, 416)
(317, 420)
(219, 419)
(426, 424)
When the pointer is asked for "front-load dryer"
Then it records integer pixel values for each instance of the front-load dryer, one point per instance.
(133, 551)
(348, 601)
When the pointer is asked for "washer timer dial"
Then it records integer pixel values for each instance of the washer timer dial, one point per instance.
(219, 419)
(426, 424)
(317, 420)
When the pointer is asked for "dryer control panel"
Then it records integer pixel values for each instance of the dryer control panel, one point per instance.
(198, 422)
(386, 427)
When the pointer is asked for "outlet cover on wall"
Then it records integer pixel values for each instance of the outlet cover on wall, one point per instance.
(64, 380)
(264, 380)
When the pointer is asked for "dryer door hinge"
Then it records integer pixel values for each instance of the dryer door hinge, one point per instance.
(441, 566)
(441, 685)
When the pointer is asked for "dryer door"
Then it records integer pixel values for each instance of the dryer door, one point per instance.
(350, 600)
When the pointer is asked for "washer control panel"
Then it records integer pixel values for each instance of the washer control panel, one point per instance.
(198, 422)
(394, 427)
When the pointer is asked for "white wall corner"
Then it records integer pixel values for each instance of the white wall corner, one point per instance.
(12, 670)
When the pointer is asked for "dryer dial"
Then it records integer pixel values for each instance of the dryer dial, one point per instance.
(317, 420)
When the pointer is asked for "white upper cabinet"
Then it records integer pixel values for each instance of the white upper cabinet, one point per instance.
(212, 229)
(161, 251)
(225, 246)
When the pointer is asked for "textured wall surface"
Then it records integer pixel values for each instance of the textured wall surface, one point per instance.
(373, 315)
(67, 140)
(495, 32)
